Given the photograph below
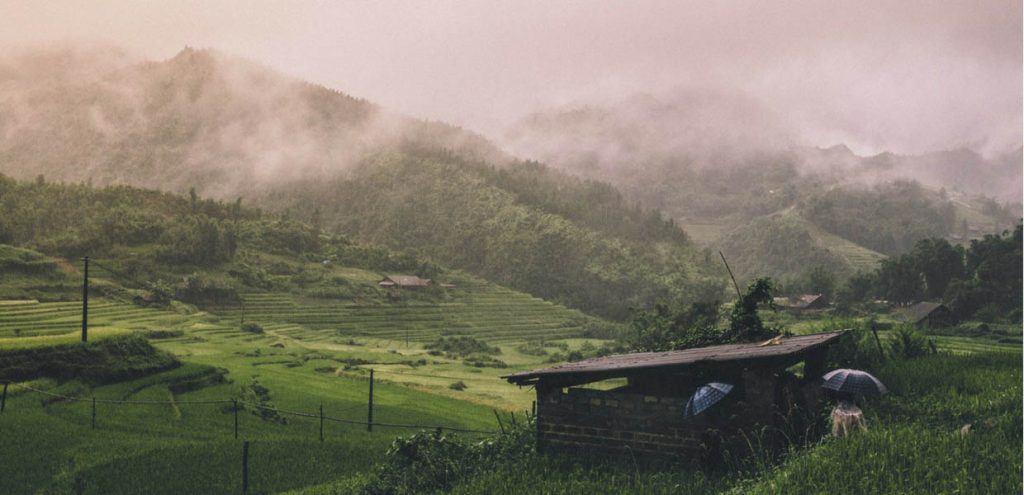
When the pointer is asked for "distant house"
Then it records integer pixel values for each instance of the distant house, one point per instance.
(931, 314)
(805, 302)
(404, 281)
(644, 416)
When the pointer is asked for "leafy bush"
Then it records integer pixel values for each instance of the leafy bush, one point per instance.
(460, 346)
(200, 289)
(437, 462)
(251, 327)
(255, 398)
(909, 343)
(102, 361)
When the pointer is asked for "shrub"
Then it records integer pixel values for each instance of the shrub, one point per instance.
(437, 462)
(252, 328)
(909, 343)
(460, 346)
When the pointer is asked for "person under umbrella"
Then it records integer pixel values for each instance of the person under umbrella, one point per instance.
(854, 383)
(847, 383)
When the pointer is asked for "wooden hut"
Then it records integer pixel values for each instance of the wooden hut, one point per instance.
(404, 281)
(644, 415)
(930, 314)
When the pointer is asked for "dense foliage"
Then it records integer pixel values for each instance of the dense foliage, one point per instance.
(697, 325)
(173, 246)
(564, 240)
(106, 360)
(984, 280)
(888, 218)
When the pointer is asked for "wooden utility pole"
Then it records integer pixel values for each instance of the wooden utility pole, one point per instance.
(369, 411)
(734, 284)
(245, 467)
(878, 342)
(85, 302)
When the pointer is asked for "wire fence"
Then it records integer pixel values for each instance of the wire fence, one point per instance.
(237, 404)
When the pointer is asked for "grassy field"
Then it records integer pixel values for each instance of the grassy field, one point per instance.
(311, 352)
(318, 351)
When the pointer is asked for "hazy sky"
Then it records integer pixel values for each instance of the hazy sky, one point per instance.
(902, 75)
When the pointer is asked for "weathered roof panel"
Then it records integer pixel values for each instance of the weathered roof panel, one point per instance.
(718, 354)
(920, 311)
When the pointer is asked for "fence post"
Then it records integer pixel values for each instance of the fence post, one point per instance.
(94, 413)
(321, 422)
(369, 411)
(3, 398)
(500, 424)
(245, 467)
(234, 407)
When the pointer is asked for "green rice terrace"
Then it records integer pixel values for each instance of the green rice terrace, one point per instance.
(166, 392)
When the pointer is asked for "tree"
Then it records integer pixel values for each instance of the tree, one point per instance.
(939, 262)
(193, 200)
(661, 329)
(744, 323)
(899, 281)
(820, 280)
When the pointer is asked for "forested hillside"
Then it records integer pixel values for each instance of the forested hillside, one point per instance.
(228, 129)
(568, 241)
(198, 250)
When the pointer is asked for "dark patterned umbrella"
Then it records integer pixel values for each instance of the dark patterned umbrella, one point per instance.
(853, 382)
(705, 396)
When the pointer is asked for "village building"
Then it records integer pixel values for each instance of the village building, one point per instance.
(644, 415)
(806, 302)
(404, 281)
(931, 314)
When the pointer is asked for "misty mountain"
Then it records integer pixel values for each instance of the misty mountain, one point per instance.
(200, 119)
(722, 163)
(229, 128)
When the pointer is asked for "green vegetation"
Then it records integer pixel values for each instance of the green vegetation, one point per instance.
(888, 218)
(983, 281)
(936, 432)
(109, 359)
(698, 324)
(561, 239)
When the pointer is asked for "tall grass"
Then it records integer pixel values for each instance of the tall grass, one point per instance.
(918, 441)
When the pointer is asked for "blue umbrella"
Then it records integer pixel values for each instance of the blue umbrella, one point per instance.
(705, 396)
(853, 382)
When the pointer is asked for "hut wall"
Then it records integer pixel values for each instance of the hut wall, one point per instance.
(610, 422)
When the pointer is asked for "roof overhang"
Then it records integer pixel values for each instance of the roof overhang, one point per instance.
(786, 352)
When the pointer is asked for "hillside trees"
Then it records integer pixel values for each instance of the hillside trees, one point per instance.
(73, 220)
(697, 324)
(565, 240)
(888, 218)
(987, 274)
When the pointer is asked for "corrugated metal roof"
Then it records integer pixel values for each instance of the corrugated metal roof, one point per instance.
(718, 353)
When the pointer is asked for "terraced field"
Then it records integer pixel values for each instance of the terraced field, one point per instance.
(31, 318)
(481, 310)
